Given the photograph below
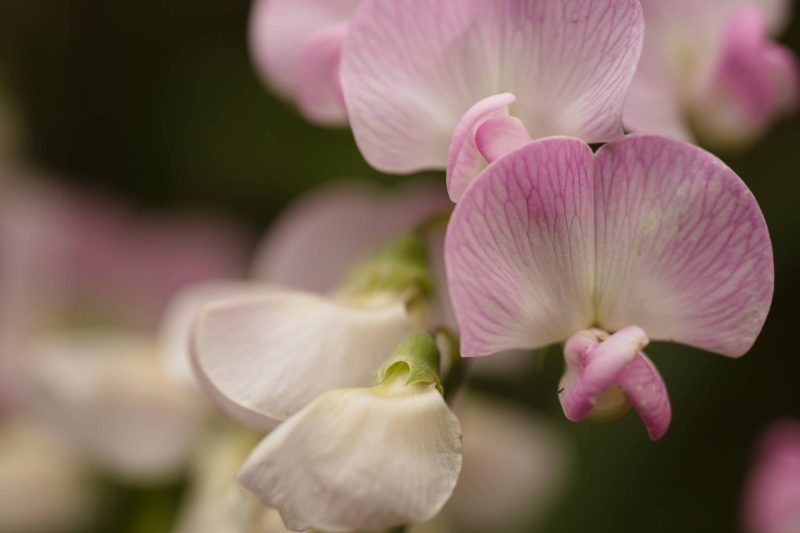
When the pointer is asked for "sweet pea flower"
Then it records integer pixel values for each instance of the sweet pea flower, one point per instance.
(264, 355)
(772, 494)
(649, 238)
(364, 458)
(447, 83)
(709, 68)
(296, 46)
(343, 320)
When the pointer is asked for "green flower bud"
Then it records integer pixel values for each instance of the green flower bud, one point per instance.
(415, 362)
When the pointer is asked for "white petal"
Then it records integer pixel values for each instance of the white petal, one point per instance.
(106, 394)
(269, 356)
(183, 309)
(356, 459)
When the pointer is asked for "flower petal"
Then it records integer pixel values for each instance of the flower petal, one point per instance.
(708, 61)
(282, 42)
(412, 68)
(753, 81)
(653, 106)
(324, 235)
(682, 247)
(183, 309)
(464, 160)
(519, 249)
(594, 366)
(355, 459)
(645, 390)
(270, 355)
(105, 394)
(319, 93)
(498, 136)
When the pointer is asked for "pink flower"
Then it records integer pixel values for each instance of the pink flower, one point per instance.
(296, 46)
(649, 238)
(711, 67)
(447, 83)
(772, 494)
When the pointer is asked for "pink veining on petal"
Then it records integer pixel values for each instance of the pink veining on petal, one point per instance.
(519, 249)
(681, 245)
(464, 159)
(498, 136)
(772, 493)
(319, 91)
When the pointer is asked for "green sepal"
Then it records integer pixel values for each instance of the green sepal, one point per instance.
(399, 266)
(418, 355)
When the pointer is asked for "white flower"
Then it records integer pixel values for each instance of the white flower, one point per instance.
(363, 458)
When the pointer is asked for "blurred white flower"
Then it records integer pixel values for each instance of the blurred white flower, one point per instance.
(104, 393)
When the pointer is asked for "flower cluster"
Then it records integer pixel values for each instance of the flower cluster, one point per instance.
(335, 346)
(573, 209)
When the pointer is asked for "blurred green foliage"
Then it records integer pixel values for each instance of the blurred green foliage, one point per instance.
(157, 101)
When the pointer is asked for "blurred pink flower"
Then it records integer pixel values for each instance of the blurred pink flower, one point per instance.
(322, 236)
(710, 67)
(772, 493)
(647, 238)
(453, 84)
(296, 46)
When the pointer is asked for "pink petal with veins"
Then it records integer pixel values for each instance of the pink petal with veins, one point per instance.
(464, 159)
(552, 240)
(411, 69)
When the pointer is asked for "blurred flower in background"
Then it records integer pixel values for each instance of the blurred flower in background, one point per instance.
(710, 68)
(772, 494)
(296, 46)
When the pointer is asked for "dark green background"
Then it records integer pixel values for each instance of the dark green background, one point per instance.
(157, 101)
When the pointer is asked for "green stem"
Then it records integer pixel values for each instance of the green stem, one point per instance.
(457, 372)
